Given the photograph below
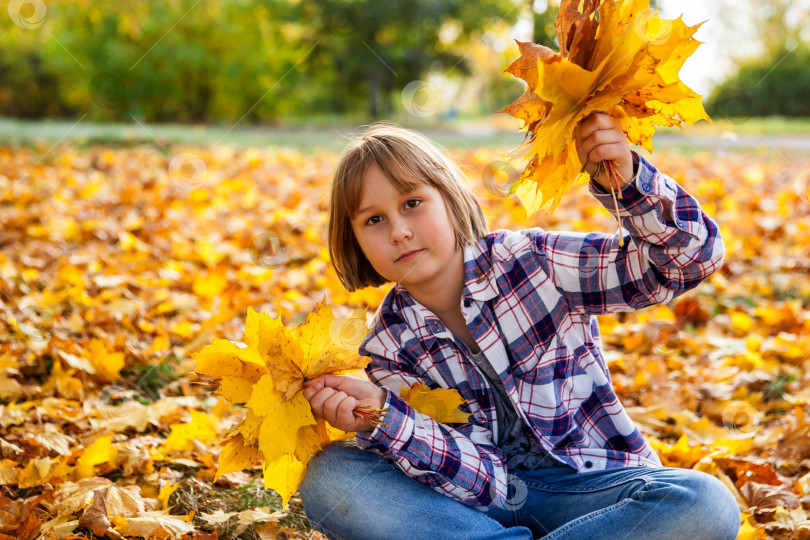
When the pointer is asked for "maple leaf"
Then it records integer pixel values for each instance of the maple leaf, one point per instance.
(100, 451)
(267, 374)
(200, 428)
(441, 404)
(624, 62)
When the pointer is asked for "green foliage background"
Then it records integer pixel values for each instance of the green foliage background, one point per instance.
(214, 60)
(776, 85)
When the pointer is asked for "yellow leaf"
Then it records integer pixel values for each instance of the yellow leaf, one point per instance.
(108, 365)
(307, 443)
(224, 358)
(166, 492)
(328, 434)
(101, 451)
(235, 389)
(200, 428)
(265, 397)
(280, 426)
(283, 475)
(35, 472)
(236, 456)
(741, 322)
(10, 389)
(249, 428)
(322, 344)
(210, 284)
(680, 454)
(748, 531)
(441, 404)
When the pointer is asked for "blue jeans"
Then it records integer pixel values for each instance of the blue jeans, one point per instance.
(352, 493)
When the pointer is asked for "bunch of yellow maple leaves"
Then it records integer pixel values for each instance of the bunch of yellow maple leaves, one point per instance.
(267, 373)
(618, 57)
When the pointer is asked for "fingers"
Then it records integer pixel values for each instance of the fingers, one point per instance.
(340, 406)
(595, 130)
(333, 397)
(599, 142)
(594, 122)
(312, 387)
(599, 138)
(333, 406)
(606, 152)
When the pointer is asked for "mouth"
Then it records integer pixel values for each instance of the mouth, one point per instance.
(408, 255)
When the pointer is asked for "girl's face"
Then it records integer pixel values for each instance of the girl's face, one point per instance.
(389, 224)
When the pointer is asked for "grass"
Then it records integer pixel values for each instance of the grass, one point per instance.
(202, 499)
(329, 136)
(772, 125)
(331, 133)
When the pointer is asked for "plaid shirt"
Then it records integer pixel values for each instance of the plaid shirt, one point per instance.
(529, 300)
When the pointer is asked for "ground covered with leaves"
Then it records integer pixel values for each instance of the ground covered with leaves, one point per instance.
(118, 263)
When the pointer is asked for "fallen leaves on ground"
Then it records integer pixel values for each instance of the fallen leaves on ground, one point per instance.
(103, 245)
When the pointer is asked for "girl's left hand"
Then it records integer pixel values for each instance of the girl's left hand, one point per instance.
(599, 137)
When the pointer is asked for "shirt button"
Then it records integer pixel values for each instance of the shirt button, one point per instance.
(467, 302)
(645, 187)
(477, 320)
(588, 464)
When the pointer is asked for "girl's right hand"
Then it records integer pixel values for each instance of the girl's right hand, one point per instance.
(333, 397)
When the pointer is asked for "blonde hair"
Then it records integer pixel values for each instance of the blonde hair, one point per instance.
(408, 159)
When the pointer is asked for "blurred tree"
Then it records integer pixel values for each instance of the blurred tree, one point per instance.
(777, 84)
(777, 81)
(185, 61)
(545, 13)
(367, 49)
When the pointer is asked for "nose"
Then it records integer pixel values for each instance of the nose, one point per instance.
(400, 231)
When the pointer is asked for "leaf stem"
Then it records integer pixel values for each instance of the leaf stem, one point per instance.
(369, 414)
(612, 179)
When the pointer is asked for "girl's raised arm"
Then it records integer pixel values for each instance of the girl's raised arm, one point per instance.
(669, 247)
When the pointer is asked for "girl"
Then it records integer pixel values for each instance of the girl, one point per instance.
(507, 319)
